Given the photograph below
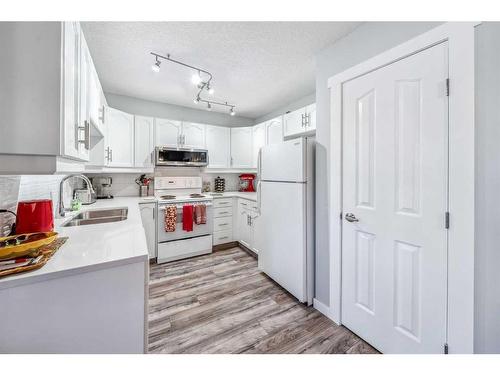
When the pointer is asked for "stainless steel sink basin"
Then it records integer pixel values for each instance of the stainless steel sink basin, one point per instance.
(98, 217)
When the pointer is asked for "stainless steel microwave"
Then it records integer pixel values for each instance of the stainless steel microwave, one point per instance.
(180, 157)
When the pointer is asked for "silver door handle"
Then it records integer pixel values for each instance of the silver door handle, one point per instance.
(351, 218)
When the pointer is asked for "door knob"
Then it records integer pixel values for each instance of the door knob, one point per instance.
(351, 218)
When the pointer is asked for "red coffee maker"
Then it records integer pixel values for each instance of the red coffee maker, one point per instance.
(246, 182)
(34, 216)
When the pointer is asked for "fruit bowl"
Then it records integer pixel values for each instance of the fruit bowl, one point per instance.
(21, 245)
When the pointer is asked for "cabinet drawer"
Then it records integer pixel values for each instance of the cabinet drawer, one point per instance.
(223, 223)
(224, 236)
(223, 211)
(223, 202)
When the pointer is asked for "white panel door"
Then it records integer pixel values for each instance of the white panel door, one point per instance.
(167, 132)
(144, 141)
(284, 161)
(294, 122)
(258, 141)
(241, 148)
(282, 235)
(218, 143)
(274, 131)
(193, 135)
(119, 138)
(395, 183)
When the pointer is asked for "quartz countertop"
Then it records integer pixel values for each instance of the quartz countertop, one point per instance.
(235, 194)
(93, 247)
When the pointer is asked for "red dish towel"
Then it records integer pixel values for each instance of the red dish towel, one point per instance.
(187, 218)
(200, 215)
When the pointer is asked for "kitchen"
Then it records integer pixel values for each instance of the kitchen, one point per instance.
(194, 216)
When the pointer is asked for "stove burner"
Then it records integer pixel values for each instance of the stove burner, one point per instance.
(196, 195)
(167, 197)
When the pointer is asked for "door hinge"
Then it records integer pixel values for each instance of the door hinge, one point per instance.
(447, 220)
(447, 87)
(340, 216)
(445, 349)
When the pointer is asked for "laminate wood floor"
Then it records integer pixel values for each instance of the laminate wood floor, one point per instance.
(221, 303)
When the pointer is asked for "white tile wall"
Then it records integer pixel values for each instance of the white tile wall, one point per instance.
(9, 189)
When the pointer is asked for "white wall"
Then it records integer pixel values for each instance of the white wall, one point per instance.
(364, 42)
(174, 112)
(487, 240)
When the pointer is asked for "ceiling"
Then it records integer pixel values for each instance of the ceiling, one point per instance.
(258, 66)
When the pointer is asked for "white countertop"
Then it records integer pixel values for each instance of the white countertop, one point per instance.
(93, 247)
(236, 194)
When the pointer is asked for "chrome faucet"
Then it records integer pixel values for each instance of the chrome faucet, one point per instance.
(90, 189)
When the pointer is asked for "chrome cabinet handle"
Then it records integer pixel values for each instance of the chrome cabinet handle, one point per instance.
(351, 218)
(303, 123)
(223, 238)
(86, 132)
(102, 114)
(223, 224)
(110, 154)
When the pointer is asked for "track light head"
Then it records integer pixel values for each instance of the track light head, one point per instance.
(210, 89)
(209, 106)
(232, 112)
(156, 66)
(196, 100)
(196, 78)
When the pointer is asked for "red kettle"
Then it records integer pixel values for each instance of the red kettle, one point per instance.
(35, 216)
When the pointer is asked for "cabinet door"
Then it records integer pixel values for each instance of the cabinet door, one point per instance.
(84, 114)
(294, 122)
(119, 138)
(218, 143)
(148, 216)
(311, 117)
(143, 150)
(241, 148)
(167, 132)
(193, 135)
(244, 228)
(274, 131)
(71, 77)
(94, 97)
(258, 141)
(255, 235)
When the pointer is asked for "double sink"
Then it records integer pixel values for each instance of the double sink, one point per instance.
(109, 215)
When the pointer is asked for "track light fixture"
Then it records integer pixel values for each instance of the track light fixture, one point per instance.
(156, 66)
(201, 78)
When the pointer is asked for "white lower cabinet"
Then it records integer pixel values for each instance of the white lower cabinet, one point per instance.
(148, 216)
(223, 220)
(119, 138)
(246, 232)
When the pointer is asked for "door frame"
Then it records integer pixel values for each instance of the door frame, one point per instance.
(460, 38)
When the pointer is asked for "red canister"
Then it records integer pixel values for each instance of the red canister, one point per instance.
(35, 216)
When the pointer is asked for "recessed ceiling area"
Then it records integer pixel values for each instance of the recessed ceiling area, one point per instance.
(258, 66)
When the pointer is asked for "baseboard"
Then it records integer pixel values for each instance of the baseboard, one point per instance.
(323, 309)
(247, 250)
(224, 246)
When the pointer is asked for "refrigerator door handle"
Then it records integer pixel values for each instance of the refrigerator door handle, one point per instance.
(259, 188)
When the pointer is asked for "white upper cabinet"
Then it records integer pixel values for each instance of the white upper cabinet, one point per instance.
(301, 121)
(218, 143)
(193, 135)
(241, 148)
(167, 132)
(71, 87)
(119, 138)
(311, 117)
(258, 141)
(144, 141)
(274, 131)
(294, 122)
(96, 107)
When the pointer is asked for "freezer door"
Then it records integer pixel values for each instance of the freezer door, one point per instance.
(284, 161)
(281, 236)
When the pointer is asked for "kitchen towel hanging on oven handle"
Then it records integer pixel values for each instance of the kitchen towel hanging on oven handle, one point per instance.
(200, 215)
(187, 217)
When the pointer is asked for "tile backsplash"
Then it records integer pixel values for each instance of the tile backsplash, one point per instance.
(9, 190)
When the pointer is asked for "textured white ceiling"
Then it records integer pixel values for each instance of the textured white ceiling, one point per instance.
(259, 66)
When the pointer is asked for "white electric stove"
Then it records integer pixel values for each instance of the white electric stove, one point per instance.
(180, 244)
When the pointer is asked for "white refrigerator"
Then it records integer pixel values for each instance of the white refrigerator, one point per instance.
(286, 222)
